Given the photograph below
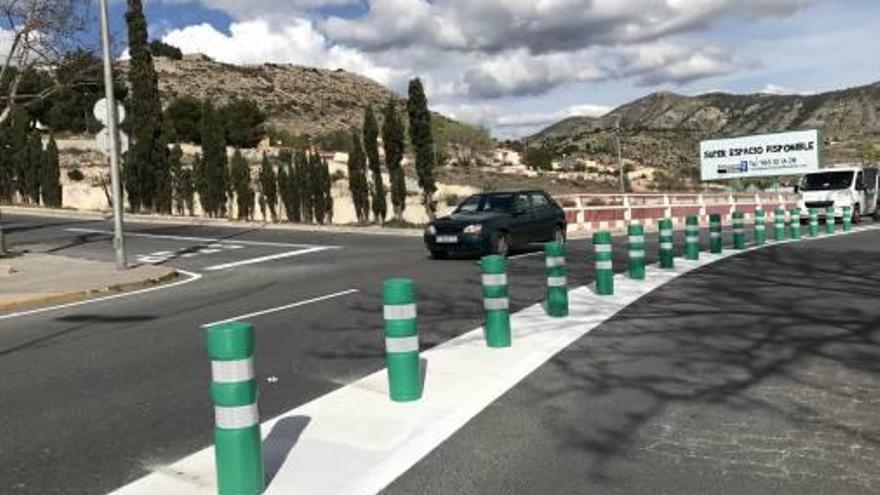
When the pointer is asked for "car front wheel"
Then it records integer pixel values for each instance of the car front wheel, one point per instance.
(559, 235)
(501, 244)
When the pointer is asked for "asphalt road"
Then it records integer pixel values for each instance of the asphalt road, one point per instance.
(755, 375)
(97, 394)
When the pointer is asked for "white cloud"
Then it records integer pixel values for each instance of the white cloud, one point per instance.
(658, 63)
(255, 41)
(776, 89)
(517, 123)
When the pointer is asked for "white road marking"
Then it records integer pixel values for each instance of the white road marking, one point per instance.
(261, 259)
(525, 255)
(192, 278)
(285, 307)
(203, 240)
(209, 251)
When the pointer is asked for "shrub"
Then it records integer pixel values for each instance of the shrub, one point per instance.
(75, 175)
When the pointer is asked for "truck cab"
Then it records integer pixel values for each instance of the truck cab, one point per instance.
(853, 186)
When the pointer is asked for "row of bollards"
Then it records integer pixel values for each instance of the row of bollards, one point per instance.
(237, 440)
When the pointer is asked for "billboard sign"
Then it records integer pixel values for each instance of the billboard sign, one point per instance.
(763, 155)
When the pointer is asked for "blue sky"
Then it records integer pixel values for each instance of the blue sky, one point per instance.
(518, 65)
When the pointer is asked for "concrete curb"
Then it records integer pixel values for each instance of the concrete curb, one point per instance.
(62, 297)
(212, 222)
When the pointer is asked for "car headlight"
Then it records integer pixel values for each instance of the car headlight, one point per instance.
(431, 230)
(475, 229)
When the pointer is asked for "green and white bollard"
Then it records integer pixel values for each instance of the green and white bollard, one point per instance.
(847, 218)
(692, 238)
(830, 220)
(760, 227)
(557, 281)
(496, 301)
(814, 222)
(636, 247)
(739, 230)
(401, 340)
(795, 226)
(238, 449)
(779, 225)
(716, 245)
(602, 244)
(667, 244)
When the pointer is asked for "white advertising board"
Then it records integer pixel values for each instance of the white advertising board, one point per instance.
(763, 155)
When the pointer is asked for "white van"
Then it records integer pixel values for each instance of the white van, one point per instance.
(853, 186)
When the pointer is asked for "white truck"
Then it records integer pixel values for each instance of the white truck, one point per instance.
(855, 186)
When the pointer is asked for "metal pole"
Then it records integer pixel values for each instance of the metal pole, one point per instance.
(116, 184)
(619, 157)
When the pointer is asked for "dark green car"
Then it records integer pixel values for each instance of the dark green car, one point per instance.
(496, 222)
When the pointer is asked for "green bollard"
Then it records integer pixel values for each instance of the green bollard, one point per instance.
(739, 230)
(814, 222)
(716, 245)
(496, 301)
(779, 225)
(847, 218)
(636, 248)
(238, 448)
(401, 340)
(557, 281)
(667, 244)
(602, 244)
(795, 226)
(830, 220)
(760, 227)
(692, 238)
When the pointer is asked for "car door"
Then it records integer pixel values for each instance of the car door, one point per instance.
(522, 220)
(544, 215)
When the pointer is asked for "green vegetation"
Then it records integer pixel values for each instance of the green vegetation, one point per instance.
(393, 140)
(423, 144)
(371, 146)
(268, 189)
(161, 49)
(212, 177)
(241, 180)
(50, 175)
(539, 159)
(357, 179)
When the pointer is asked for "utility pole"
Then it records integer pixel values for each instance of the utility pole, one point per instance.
(619, 156)
(116, 185)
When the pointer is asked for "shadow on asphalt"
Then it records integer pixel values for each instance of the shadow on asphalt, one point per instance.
(280, 441)
(769, 335)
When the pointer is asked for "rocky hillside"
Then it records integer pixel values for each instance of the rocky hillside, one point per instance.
(302, 100)
(663, 128)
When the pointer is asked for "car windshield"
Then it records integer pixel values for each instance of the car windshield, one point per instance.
(827, 181)
(482, 203)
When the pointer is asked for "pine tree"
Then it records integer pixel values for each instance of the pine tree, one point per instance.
(357, 179)
(371, 147)
(148, 156)
(51, 176)
(241, 179)
(268, 188)
(214, 171)
(393, 141)
(175, 163)
(423, 143)
(302, 180)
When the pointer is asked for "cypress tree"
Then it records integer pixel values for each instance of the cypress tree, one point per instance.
(393, 141)
(357, 179)
(327, 190)
(187, 190)
(34, 167)
(301, 187)
(423, 142)
(282, 186)
(268, 187)
(175, 164)
(148, 155)
(51, 176)
(19, 150)
(198, 173)
(371, 147)
(7, 166)
(241, 179)
(315, 188)
(214, 171)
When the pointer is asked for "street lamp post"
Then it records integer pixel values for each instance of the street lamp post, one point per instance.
(116, 185)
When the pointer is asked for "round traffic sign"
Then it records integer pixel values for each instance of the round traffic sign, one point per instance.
(100, 111)
(103, 140)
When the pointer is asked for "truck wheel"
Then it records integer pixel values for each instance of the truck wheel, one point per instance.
(857, 214)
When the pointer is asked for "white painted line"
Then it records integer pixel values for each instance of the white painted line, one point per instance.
(208, 251)
(335, 455)
(192, 278)
(282, 308)
(525, 255)
(203, 240)
(261, 259)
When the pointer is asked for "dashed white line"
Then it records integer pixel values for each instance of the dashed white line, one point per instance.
(261, 259)
(285, 307)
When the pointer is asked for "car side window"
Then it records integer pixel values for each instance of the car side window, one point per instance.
(539, 201)
(522, 202)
